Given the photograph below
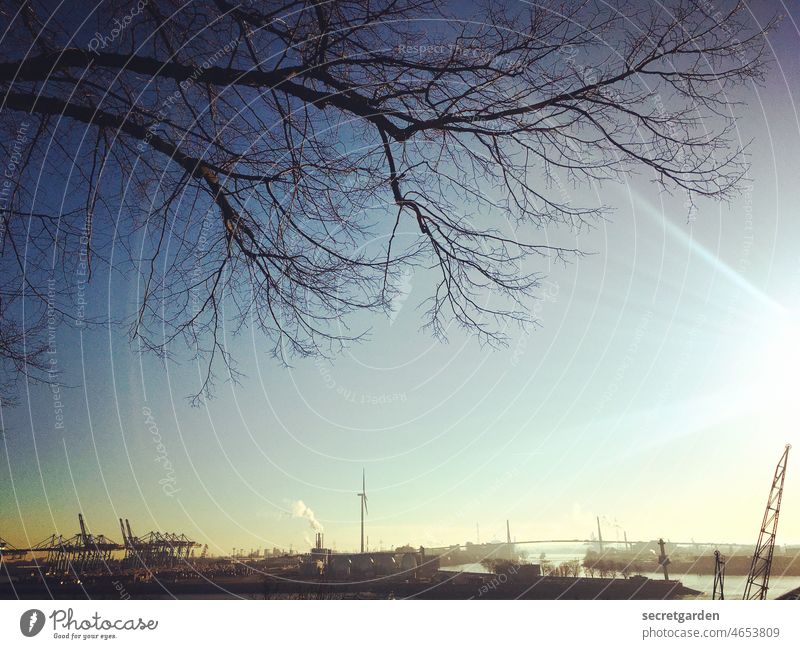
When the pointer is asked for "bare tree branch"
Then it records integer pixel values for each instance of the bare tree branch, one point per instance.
(269, 161)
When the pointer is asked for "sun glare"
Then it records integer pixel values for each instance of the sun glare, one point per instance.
(775, 371)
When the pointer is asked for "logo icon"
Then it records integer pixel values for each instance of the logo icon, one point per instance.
(31, 622)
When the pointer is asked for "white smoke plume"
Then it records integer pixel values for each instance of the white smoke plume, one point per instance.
(301, 510)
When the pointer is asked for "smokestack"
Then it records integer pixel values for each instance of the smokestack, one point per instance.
(508, 533)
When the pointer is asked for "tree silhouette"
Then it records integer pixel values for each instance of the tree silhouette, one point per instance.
(288, 161)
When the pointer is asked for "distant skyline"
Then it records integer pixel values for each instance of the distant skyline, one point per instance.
(657, 392)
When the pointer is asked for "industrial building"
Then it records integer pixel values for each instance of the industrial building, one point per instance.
(402, 563)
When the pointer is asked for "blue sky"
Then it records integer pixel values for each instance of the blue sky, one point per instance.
(655, 393)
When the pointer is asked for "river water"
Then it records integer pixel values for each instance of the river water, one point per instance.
(734, 584)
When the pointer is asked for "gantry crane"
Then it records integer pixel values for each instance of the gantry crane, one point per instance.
(760, 567)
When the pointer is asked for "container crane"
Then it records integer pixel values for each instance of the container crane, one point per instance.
(761, 565)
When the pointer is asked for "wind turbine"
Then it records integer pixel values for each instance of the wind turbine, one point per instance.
(363, 496)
